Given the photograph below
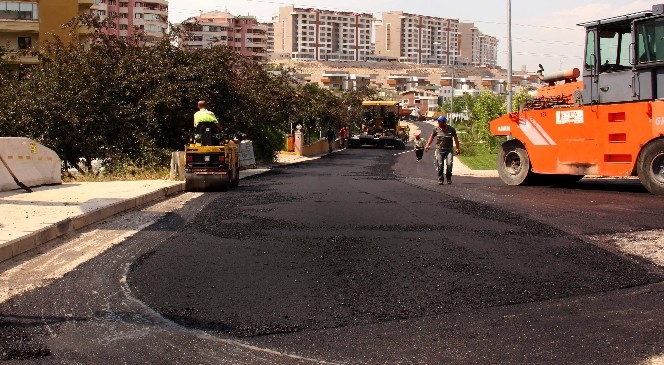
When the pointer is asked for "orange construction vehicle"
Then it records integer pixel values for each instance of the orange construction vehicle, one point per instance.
(609, 123)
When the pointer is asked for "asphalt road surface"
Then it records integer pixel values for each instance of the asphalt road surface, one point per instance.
(361, 258)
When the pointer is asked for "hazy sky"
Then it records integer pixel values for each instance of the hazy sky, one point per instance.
(542, 31)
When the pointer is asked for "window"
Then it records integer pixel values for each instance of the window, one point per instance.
(138, 16)
(24, 42)
(18, 11)
(650, 41)
(614, 48)
(124, 4)
(590, 51)
(153, 28)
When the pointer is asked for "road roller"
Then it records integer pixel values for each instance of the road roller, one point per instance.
(212, 161)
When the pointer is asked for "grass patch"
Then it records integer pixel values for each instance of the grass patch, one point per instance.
(129, 175)
(479, 159)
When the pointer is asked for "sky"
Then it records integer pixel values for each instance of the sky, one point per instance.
(543, 32)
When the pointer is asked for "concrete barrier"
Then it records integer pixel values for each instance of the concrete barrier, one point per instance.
(318, 148)
(32, 163)
(177, 165)
(246, 151)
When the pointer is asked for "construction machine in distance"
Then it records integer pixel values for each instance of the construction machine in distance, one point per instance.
(380, 126)
(609, 123)
(212, 160)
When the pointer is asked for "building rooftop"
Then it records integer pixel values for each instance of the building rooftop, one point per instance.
(216, 15)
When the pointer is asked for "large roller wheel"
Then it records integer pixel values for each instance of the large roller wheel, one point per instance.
(194, 182)
(222, 183)
(650, 167)
(513, 164)
(188, 186)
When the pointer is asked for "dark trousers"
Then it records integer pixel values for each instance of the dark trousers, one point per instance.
(419, 152)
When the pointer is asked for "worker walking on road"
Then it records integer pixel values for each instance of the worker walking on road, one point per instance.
(446, 139)
(418, 144)
(329, 135)
(342, 137)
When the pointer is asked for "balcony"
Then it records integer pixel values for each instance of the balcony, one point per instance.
(16, 59)
(84, 31)
(149, 8)
(22, 26)
(155, 2)
(85, 4)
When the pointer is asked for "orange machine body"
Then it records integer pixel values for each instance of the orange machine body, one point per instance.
(586, 140)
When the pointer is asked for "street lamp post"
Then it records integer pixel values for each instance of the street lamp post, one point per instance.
(509, 56)
(452, 98)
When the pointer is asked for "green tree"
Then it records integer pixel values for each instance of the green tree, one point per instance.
(487, 107)
(520, 98)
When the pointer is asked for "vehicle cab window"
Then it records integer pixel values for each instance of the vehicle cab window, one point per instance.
(614, 46)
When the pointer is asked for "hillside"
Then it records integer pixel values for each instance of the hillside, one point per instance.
(380, 71)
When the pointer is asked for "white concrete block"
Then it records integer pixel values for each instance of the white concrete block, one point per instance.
(32, 163)
(246, 152)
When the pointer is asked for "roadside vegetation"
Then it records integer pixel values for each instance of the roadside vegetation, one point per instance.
(129, 105)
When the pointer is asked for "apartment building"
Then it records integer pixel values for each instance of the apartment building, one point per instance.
(146, 17)
(344, 81)
(322, 35)
(476, 48)
(417, 38)
(270, 37)
(424, 101)
(24, 23)
(241, 33)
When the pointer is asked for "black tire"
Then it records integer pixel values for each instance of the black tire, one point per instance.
(513, 164)
(650, 167)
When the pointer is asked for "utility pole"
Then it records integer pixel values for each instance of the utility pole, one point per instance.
(509, 56)
(452, 99)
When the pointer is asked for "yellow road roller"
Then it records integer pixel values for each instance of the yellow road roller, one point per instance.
(212, 161)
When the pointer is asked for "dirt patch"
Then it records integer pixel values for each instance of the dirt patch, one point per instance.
(645, 244)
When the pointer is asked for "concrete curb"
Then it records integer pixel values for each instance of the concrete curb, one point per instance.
(32, 240)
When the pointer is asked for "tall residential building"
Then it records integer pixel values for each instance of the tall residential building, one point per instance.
(477, 49)
(149, 17)
(24, 23)
(314, 34)
(417, 38)
(242, 33)
(270, 37)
